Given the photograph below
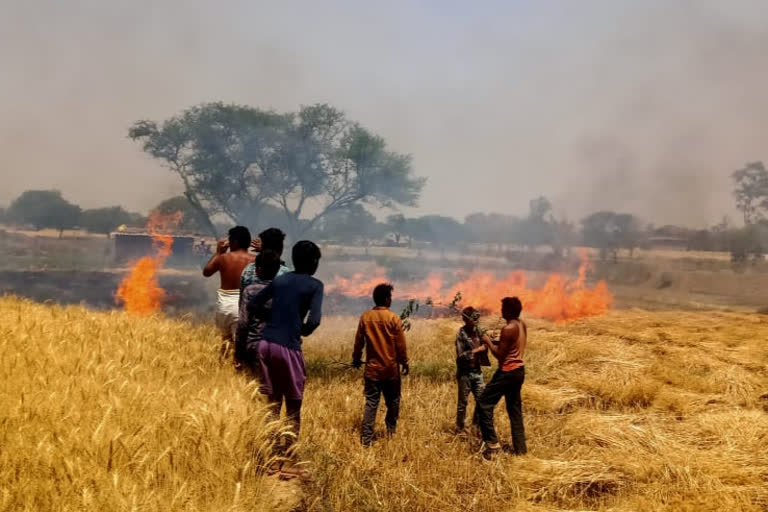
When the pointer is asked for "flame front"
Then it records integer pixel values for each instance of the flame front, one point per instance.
(139, 291)
(560, 299)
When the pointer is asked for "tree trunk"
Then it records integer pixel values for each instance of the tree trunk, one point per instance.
(203, 214)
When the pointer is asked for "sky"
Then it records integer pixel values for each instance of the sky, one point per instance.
(643, 107)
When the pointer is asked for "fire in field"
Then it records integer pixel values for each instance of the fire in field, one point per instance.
(425, 256)
(560, 299)
(139, 292)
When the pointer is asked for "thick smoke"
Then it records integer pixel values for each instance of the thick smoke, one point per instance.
(643, 107)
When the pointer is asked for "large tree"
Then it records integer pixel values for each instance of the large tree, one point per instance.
(751, 191)
(234, 160)
(44, 209)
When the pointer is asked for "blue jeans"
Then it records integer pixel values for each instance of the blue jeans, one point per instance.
(469, 382)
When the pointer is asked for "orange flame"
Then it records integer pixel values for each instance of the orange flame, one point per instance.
(139, 291)
(560, 299)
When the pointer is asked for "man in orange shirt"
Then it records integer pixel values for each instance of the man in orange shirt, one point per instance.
(381, 333)
(508, 379)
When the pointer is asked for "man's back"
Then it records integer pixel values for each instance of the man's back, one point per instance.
(381, 333)
(516, 333)
(230, 266)
(293, 296)
(248, 275)
(229, 261)
(250, 327)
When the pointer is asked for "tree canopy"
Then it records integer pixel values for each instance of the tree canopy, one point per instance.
(235, 160)
(44, 209)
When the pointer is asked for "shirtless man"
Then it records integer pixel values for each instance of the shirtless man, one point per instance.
(507, 380)
(230, 259)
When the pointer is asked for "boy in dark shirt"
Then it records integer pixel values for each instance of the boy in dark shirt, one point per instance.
(471, 355)
(249, 327)
(297, 300)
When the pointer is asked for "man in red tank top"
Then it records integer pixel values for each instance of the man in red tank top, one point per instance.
(508, 379)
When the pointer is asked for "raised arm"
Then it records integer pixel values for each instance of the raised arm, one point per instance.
(213, 264)
(315, 312)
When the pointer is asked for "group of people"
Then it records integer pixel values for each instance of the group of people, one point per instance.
(264, 310)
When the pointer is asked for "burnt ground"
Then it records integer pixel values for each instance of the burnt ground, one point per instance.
(97, 288)
(188, 292)
(185, 292)
(85, 274)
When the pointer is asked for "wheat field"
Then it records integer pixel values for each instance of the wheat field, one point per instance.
(628, 411)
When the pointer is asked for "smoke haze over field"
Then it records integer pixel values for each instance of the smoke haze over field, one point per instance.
(643, 107)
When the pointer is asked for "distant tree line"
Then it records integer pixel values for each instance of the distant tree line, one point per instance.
(317, 173)
(48, 209)
(609, 232)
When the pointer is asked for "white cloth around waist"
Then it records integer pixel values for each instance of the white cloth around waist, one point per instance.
(227, 299)
(227, 310)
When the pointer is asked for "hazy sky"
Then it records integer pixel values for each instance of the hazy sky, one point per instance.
(643, 106)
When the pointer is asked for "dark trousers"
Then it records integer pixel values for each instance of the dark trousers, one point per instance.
(373, 391)
(507, 385)
(469, 382)
(292, 412)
